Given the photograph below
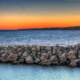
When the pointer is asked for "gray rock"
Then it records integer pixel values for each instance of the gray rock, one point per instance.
(33, 48)
(44, 59)
(25, 54)
(71, 55)
(21, 60)
(79, 54)
(37, 60)
(29, 59)
(3, 57)
(62, 58)
(38, 48)
(44, 56)
(73, 63)
(54, 51)
(53, 59)
(12, 57)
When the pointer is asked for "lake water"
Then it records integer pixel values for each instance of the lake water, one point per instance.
(39, 37)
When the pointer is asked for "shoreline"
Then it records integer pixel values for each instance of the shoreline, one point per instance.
(41, 55)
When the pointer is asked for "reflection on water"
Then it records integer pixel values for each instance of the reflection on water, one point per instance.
(33, 72)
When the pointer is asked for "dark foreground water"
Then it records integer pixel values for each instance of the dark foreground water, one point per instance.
(40, 37)
(29, 72)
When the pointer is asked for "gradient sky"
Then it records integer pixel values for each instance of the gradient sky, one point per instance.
(22, 14)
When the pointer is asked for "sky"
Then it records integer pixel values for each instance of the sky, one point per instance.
(26, 14)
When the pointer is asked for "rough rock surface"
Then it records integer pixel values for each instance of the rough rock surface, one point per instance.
(43, 55)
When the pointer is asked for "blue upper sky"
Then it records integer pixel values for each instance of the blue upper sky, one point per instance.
(8, 1)
(41, 5)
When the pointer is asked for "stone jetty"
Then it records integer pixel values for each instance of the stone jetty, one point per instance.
(42, 55)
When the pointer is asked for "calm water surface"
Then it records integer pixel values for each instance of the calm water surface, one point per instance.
(29, 72)
(40, 37)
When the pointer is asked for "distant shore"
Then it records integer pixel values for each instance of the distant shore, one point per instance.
(64, 28)
(50, 28)
(41, 55)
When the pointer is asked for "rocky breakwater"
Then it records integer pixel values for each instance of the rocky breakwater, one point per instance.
(43, 55)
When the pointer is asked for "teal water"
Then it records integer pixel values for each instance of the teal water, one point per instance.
(29, 72)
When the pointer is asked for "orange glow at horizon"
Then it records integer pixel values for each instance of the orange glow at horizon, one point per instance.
(37, 21)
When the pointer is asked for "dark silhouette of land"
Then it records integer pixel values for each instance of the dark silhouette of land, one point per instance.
(67, 28)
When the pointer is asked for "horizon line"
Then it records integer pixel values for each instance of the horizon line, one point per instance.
(53, 28)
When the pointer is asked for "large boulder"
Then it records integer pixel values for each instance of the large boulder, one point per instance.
(74, 63)
(53, 59)
(12, 57)
(25, 54)
(44, 59)
(3, 57)
(62, 58)
(29, 59)
(71, 55)
(44, 56)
